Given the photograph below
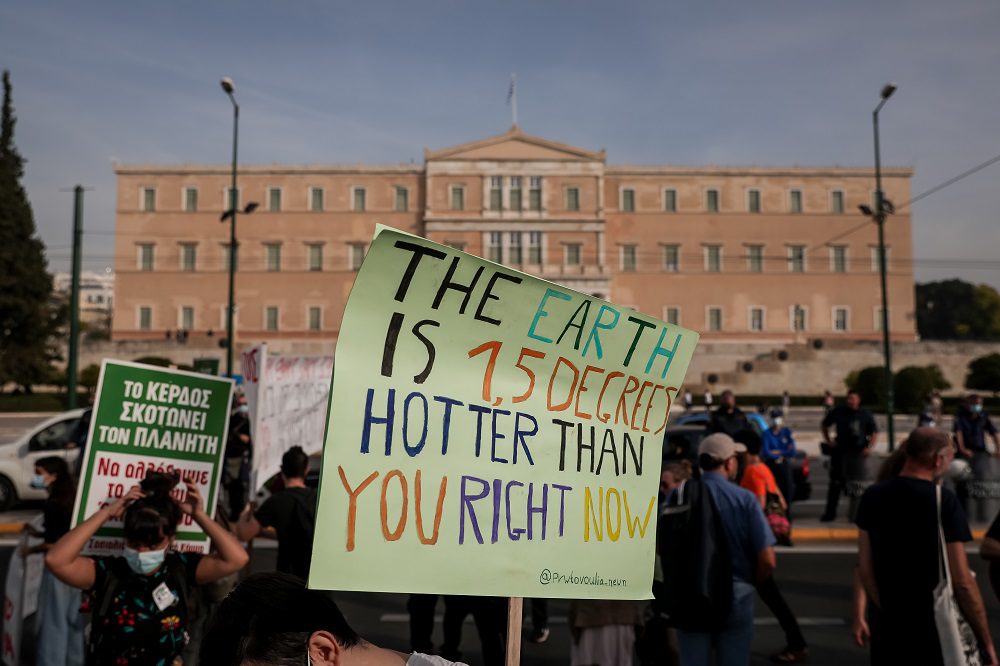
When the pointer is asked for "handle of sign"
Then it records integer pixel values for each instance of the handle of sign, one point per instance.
(514, 613)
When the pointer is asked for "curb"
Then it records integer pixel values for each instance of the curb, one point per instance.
(6, 529)
(813, 534)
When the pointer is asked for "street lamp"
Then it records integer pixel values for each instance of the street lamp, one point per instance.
(227, 87)
(883, 206)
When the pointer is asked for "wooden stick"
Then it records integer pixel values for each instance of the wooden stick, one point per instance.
(514, 612)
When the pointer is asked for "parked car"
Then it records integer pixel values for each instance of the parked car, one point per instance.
(682, 439)
(17, 458)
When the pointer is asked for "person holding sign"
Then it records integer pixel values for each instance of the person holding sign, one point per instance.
(140, 599)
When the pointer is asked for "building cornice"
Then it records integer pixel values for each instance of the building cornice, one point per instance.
(785, 171)
(265, 169)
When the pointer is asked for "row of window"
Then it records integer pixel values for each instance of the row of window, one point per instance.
(271, 318)
(798, 318)
(317, 199)
(627, 201)
(188, 262)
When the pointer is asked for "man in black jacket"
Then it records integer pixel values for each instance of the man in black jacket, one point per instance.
(728, 418)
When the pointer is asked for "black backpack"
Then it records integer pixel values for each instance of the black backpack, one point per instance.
(697, 572)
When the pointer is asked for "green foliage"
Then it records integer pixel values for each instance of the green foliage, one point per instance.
(28, 320)
(870, 384)
(158, 361)
(914, 384)
(957, 310)
(88, 376)
(984, 374)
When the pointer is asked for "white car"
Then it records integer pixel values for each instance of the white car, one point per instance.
(17, 458)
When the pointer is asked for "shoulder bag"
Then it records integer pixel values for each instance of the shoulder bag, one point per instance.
(958, 641)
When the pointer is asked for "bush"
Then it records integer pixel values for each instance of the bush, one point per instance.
(984, 374)
(870, 384)
(88, 376)
(158, 361)
(914, 384)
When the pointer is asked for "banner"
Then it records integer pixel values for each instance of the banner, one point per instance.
(491, 433)
(24, 577)
(288, 397)
(149, 418)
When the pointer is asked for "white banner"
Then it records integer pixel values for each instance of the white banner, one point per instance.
(24, 577)
(287, 396)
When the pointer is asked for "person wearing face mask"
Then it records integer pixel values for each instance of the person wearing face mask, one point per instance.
(239, 448)
(971, 426)
(778, 453)
(139, 599)
(60, 625)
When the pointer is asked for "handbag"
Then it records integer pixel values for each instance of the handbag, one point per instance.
(777, 518)
(958, 641)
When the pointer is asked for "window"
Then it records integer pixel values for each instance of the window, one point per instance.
(232, 197)
(572, 254)
(515, 256)
(535, 193)
(145, 318)
(494, 247)
(515, 193)
(188, 257)
(572, 198)
(797, 258)
(712, 201)
(753, 201)
(316, 199)
(671, 258)
(713, 318)
(670, 200)
(875, 261)
(799, 317)
(713, 258)
(359, 199)
(272, 257)
(315, 256)
(795, 201)
(838, 258)
(271, 318)
(402, 199)
(628, 258)
(457, 197)
(225, 256)
(148, 199)
(190, 199)
(837, 201)
(628, 200)
(357, 255)
(756, 319)
(840, 319)
(535, 247)
(672, 315)
(274, 199)
(186, 322)
(878, 317)
(755, 258)
(315, 317)
(146, 258)
(496, 192)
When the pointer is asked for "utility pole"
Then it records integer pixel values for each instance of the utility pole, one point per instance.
(74, 299)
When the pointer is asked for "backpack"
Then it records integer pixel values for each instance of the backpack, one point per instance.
(118, 572)
(697, 572)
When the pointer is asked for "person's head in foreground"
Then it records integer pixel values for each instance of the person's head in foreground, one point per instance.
(150, 523)
(718, 452)
(273, 619)
(928, 450)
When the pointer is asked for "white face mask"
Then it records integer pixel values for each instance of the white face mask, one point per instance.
(778, 421)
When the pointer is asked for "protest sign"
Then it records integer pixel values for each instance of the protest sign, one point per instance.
(491, 433)
(287, 396)
(24, 577)
(147, 418)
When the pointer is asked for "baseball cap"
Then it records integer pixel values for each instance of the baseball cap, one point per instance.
(720, 446)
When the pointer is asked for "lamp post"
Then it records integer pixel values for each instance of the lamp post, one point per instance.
(881, 207)
(227, 86)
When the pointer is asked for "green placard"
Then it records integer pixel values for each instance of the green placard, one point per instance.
(491, 433)
(152, 418)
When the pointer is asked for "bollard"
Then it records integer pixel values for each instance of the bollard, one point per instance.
(860, 473)
(984, 486)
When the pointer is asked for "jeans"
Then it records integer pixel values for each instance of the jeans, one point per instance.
(60, 625)
(732, 644)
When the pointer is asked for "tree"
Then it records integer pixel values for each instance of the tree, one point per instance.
(870, 384)
(984, 374)
(90, 375)
(954, 309)
(914, 384)
(27, 318)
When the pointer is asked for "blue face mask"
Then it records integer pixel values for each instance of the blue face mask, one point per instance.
(38, 481)
(977, 409)
(244, 409)
(145, 562)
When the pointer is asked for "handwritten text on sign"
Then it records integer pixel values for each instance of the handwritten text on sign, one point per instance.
(491, 433)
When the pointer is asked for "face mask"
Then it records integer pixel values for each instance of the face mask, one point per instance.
(145, 562)
(977, 409)
(778, 421)
(244, 409)
(38, 481)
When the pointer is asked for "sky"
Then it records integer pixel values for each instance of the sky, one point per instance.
(766, 82)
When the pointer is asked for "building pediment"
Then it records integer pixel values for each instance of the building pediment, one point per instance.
(515, 145)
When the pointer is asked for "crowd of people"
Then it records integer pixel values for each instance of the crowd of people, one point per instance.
(720, 516)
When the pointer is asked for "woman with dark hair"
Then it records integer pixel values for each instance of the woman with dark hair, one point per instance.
(60, 626)
(139, 600)
(274, 619)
